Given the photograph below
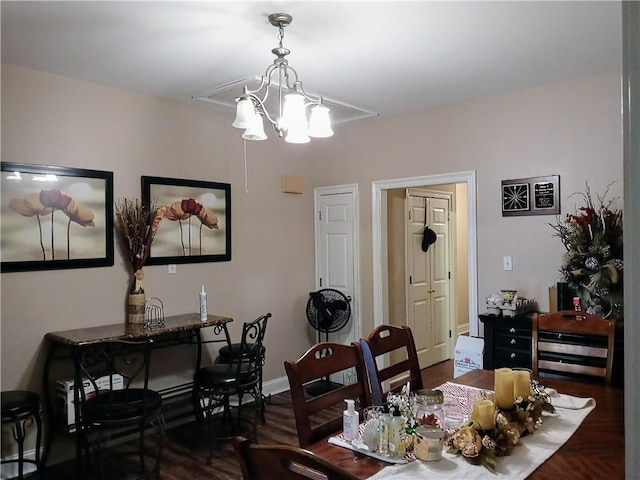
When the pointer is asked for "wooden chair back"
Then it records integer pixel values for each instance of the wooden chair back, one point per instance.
(570, 342)
(394, 341)
(284, 462)
(320, 416)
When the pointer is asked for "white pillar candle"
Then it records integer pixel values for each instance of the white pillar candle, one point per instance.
(521, 384)
(486, 414)
(503, 387)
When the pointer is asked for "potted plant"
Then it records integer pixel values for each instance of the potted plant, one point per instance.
(593, 262)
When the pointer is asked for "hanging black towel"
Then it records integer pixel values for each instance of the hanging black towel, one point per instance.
(428, 237)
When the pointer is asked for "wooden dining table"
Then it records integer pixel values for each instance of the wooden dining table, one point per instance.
(594, 451)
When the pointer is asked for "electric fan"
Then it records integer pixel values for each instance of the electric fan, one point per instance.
(328, 310)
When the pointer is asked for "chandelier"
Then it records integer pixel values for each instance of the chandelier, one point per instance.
(290, 119)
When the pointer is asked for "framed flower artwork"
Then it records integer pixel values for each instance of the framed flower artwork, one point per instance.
(55, 217)
(196, 226)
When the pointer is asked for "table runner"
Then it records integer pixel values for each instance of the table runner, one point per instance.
(529, 454)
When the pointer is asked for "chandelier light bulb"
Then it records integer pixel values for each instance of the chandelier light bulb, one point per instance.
(245, 112)
(255, 131)
(320, 123)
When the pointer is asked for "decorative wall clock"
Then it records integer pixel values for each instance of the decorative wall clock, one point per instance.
(531, 196)
(515, 197)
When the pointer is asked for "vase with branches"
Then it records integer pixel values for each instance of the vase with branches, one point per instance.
(136, 226)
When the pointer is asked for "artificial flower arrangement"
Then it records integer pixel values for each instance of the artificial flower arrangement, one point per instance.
(483, 446)
(136, 226)
(593, 261)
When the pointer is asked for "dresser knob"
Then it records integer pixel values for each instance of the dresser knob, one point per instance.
(513, 341)
(559, 336)
(512, 330)
(513, 355)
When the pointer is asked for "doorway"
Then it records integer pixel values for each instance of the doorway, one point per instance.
(381, 282)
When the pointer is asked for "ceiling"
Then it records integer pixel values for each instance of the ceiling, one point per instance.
(386, 57)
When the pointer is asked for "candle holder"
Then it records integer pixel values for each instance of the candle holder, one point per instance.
(482, 445)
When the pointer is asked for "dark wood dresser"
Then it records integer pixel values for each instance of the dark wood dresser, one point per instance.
(507, 341)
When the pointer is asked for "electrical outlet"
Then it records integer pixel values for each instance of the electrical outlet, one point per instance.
(507, 263)
(171, 268)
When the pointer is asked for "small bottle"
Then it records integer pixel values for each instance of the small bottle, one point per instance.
(397, 434)
(203, 305)
(383, 426)
(350, 421)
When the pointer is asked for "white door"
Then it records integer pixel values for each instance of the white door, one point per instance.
(428, 275)
(336, 254)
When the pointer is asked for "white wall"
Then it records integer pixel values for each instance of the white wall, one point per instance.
(571, 129)
(48, 119)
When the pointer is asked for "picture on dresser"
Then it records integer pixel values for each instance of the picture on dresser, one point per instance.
(55, 217)
(196, 226)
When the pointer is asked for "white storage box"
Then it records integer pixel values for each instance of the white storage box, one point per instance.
(66, 388)
(468, 354)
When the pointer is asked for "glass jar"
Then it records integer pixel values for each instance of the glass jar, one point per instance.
(428, 407)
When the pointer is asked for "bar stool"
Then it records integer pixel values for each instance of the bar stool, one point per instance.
(19, 407)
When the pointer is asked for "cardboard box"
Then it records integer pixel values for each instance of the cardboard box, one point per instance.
(66, 391)
(468, 355)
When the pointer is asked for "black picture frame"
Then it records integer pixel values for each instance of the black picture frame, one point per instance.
(186, 234)
(531, 196)
(54, 217)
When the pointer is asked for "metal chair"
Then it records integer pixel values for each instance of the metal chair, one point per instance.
(318, 417)
(252, 332)
(393, 341)
(573, 343)
(216, 385)
(107, 413)
(284, 462)
(19, 408)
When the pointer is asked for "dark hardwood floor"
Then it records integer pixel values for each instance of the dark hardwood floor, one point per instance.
(185, 453)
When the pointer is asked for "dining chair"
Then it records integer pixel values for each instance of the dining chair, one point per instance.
(402, 366)
(220, 390)
(284, 462)
(252, 332)
(573, 343)
(104, 411)
(319, 416)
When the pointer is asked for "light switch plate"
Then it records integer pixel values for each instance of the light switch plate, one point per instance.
(507, 263)
(171, 268)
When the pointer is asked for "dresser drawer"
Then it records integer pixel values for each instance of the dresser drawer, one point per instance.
(513, 341)
(511, 358)
(512, 329)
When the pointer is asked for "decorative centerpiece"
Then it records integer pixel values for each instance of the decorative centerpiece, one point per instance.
(593, 262)
(136, 226)
(498, 421)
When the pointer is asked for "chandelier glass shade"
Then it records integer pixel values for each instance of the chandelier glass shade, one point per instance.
(293, 106)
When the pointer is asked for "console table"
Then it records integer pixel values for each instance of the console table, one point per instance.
(507, 341)
(66, 345)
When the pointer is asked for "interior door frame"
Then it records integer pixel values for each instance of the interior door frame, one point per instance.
(352, 189)
(379, 238)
